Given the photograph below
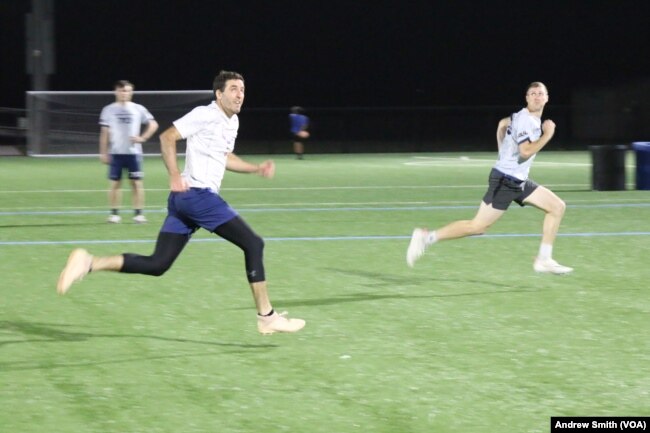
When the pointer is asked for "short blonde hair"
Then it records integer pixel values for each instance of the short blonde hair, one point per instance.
(536, 84)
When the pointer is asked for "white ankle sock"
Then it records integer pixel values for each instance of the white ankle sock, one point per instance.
(431, 238)
(545, 251)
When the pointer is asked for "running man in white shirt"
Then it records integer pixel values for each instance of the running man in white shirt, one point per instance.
(519, 139)
(121, 124)
(194, 202)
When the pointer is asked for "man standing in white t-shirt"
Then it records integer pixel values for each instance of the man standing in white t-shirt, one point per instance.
(519, 138)
(121, 124)
(194, 202)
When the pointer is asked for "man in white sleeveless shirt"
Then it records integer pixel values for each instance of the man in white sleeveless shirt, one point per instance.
(519, 137)
(194, 202)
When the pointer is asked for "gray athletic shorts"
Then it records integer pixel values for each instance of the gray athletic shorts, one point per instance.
(504, 189)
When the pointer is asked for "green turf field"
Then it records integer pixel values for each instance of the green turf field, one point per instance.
(470, 340)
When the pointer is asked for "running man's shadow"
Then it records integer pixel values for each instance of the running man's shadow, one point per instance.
(76, 224)
(48, 333)
(387, 281)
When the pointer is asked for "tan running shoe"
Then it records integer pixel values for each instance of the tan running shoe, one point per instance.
(278, 323)
(78, 266)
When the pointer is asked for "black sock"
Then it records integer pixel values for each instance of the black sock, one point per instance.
(114, 212)
(269, 314)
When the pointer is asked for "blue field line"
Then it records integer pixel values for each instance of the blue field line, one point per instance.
(250, 210)
(324, 209)
(316, 238)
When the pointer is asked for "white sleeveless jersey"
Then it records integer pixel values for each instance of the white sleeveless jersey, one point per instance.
(123, 122)
(210, 138)
(523, 127)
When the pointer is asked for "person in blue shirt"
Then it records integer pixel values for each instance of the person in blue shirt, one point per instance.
(298, 125)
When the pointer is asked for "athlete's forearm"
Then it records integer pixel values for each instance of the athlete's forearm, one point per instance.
(168, 149)
(528, 149)
(103, 141)
(501, 130)
(236, 164)
(152, 127)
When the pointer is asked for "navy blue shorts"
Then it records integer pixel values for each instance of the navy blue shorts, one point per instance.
(121, 162)
(188, 211)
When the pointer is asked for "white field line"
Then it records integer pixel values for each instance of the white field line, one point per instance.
(419, 161)
(317, 238)
(619, 200)
(463, 161)
(349, 207)
(289, 188)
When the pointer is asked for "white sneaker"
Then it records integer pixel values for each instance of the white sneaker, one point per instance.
(278, 323)
(114, 219)
(417, 246)
(139, 219)
(550, 266)
(77, 267)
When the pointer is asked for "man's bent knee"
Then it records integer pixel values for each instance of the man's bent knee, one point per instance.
(557, 207)
(476, 228)
(158, 270)
(257, 244)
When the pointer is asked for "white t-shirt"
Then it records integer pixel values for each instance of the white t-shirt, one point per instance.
(124, 121)
(523, 127)
(210, 138)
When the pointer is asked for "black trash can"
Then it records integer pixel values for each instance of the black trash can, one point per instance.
(642, 151)
(608, 167)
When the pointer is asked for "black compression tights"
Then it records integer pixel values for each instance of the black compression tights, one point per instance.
(239, 233)
(170, 245)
